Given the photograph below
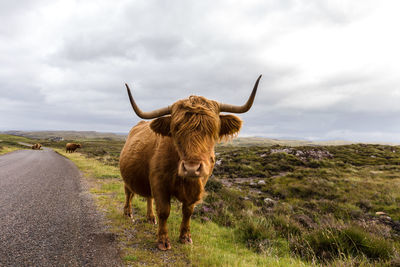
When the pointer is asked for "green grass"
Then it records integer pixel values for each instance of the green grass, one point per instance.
(321, 207)
(130, 258)
(7, 149)
(105, 151)
(13, 138)
(9, 143)
(330, 243)
(317, 188)
(214, 245)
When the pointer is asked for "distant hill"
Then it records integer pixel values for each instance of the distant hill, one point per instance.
(262, 141)
(240, 141)
(67, 135)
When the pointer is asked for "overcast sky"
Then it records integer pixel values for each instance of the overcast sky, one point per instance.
(330, 67)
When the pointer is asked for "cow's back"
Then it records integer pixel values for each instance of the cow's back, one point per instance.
(135, 158)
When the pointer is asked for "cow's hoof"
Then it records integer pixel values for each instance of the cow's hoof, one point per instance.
(152, 220)
(129, 215)
(186, 239)
(164, 245)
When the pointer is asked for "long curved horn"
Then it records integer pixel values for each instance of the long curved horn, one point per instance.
(245, 107)
(147, 115)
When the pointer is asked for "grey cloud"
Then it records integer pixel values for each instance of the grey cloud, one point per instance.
(324, 125)
(164, 47)
(87, 47)
(71, 75)
(16, 14)
(21, 92)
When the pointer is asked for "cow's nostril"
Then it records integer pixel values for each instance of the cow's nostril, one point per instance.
(191, 168)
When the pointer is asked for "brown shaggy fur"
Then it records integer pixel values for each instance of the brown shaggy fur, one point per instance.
(153, 152)
(71, 147)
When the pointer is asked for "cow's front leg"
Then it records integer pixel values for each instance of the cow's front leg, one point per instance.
(163, 207)
(185, 236)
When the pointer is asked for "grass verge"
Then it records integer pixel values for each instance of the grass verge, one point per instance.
(8, 149)
(9, 143)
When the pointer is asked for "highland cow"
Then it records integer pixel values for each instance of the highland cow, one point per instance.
(173, 156)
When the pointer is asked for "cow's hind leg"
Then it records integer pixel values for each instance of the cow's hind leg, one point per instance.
(150, 213)
(185, 236)
(163, 207)
(128, 203)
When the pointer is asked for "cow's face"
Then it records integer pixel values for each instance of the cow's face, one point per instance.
(195, 126)
(79, 146)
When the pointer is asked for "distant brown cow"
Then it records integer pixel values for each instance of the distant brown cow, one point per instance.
(173, 156)
(71, 147)
(36, 146)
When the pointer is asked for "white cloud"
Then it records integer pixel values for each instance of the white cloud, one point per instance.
(327, 65)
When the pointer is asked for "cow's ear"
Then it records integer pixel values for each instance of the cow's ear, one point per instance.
(162, 125)
(230, 126)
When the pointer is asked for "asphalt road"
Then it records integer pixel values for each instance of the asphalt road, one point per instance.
(47, 218)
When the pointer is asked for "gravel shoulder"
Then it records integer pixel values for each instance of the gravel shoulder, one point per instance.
(47, 216)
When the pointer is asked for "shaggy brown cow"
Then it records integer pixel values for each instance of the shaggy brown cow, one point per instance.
(173, 156)
(36, 146)
(71, 147)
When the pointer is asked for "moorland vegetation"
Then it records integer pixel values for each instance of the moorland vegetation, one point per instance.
(279, 205)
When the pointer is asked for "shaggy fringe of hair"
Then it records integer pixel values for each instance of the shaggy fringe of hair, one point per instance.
(196, 123)
(196, 119)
